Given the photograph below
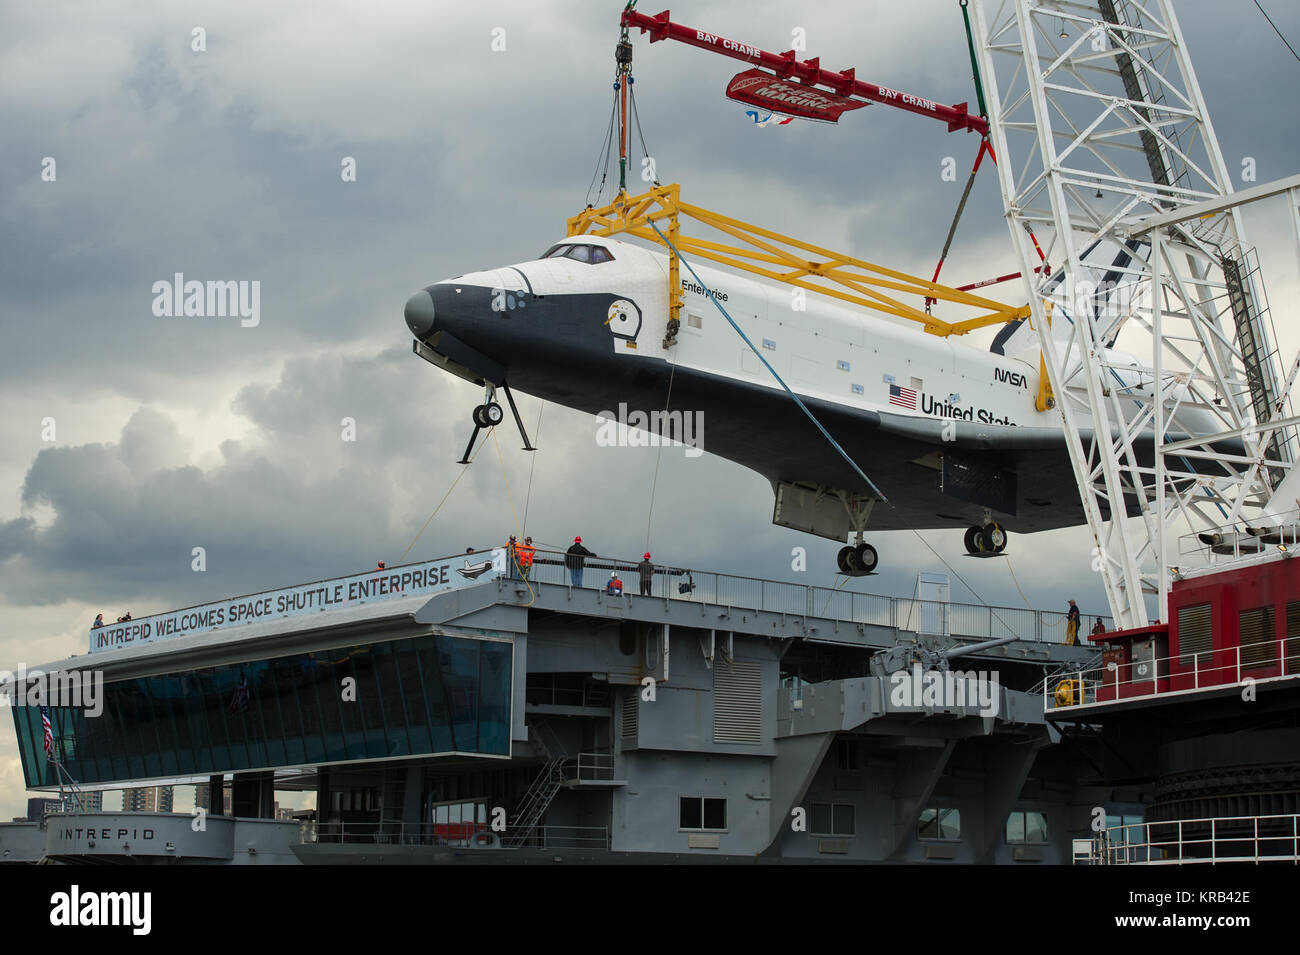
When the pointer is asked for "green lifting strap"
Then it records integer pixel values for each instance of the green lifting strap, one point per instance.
(974, 64)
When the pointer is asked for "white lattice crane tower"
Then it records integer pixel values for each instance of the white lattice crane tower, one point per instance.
(1154, 333)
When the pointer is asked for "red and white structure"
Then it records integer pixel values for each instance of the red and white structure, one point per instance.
(1104, 141)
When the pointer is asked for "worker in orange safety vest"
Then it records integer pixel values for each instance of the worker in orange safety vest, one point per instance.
(526, 553)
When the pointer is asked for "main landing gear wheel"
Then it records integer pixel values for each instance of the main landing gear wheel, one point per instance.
(993, 538)
(865, 557)
(989, 539)
(857, 561)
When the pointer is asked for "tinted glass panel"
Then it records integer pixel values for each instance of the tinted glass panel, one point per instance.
(423, 696)
(843, 818)
(715, 814)
(692, 812)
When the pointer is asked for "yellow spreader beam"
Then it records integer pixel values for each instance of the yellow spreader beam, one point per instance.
(779, 257)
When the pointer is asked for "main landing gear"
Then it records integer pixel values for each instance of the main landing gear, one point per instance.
(987, 539)
(858, 559)
(490, 414)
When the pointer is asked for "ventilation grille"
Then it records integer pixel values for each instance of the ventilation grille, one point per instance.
(1194, 635)
(737, 701)
(1258, 640)
(628, 724)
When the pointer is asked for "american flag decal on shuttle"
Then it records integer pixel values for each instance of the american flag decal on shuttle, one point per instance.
(903, 397)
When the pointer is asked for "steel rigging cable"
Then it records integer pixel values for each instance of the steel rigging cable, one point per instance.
(708, 294)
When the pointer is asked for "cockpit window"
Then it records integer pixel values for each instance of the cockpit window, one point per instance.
(590, 254)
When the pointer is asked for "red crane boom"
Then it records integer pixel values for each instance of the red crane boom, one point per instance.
(809, 72)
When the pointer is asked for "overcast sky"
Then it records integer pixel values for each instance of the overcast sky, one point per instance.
(172, 433)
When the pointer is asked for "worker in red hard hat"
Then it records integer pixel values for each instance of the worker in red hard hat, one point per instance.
(647, 572)
(575, 558)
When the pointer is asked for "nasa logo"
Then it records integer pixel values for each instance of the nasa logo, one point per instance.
(624, 320)
(1009, 377)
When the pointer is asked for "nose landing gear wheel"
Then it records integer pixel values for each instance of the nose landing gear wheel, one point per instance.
(973, 540)
(493, 414)
(843, 560)
(479, 416)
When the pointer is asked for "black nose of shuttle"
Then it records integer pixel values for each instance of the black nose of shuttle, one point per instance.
(419, 314)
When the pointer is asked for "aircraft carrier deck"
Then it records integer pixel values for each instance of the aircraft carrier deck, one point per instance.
(450, 711)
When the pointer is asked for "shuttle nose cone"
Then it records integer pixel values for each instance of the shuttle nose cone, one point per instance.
(419, 314)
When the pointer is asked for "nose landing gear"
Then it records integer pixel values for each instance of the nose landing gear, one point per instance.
(490, 414)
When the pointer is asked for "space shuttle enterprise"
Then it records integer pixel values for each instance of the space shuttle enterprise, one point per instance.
(949, 434)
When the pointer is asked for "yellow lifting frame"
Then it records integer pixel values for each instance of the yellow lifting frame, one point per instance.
(775, 256)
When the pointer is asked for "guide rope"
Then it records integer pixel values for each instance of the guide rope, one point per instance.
(519, 533)
(444, 499)
(537, 432)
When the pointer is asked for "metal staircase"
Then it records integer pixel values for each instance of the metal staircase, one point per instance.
(537, 798)
(1257, 362)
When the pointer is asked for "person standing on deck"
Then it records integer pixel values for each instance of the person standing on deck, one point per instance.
(1072, 625)
(647, 572)
(575, 558)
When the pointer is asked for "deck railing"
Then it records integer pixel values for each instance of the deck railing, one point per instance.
(1207, 841)
(942, 618)
(1203, 670)
(669, 582)
(465, 835)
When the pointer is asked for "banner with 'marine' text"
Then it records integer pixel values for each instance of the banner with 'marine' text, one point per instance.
(409, 580)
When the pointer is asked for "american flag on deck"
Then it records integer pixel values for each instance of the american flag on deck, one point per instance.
(903, 397)
(49, 731)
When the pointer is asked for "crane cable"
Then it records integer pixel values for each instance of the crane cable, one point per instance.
(1277, 31)
(985, 147)
(602, 155)
(654, 484)
(745, 338)
(710, 296)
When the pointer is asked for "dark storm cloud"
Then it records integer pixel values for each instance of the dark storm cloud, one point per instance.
(295, 502)
(227, 167)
